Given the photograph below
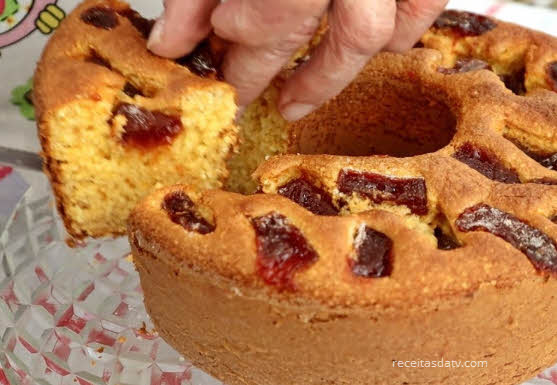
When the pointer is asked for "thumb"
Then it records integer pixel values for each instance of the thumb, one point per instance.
(181, 27)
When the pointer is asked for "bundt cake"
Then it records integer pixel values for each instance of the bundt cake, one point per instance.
(417, 223)
(116, 121)
(414, 219)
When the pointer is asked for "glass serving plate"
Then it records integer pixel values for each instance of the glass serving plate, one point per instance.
(76, 316)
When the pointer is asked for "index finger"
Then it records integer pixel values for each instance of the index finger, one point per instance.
(358, 30)
(181, 27)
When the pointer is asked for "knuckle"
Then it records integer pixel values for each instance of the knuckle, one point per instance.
(245, 26)
(365, 34)
(244, 33)
(300, 36)
(309, 7)
(366, 41)
(417, 9)
(442, 3)
(308, 27)
(258, 23)
(242, 22)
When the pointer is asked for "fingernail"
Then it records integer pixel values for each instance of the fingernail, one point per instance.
(155, 37)
(296, 111)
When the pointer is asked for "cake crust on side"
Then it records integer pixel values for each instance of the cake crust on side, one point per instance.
(447, 304)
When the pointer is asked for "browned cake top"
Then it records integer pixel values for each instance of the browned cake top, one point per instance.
(104, 42)
(378, 230)
(475, 205)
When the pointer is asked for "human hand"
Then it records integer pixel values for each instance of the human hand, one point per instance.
(266, 33)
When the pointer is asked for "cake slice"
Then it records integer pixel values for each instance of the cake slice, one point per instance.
(116, 121)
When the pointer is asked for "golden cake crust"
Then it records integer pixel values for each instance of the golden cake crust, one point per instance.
(123, 46)
(482, 300)
(512, 47)
(515, 54)
(241, 336)
(84, 63)
(436, 304)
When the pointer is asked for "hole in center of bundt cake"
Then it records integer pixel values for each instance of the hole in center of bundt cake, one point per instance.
(387, 116)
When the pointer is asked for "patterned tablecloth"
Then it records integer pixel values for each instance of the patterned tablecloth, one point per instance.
(72, 316)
